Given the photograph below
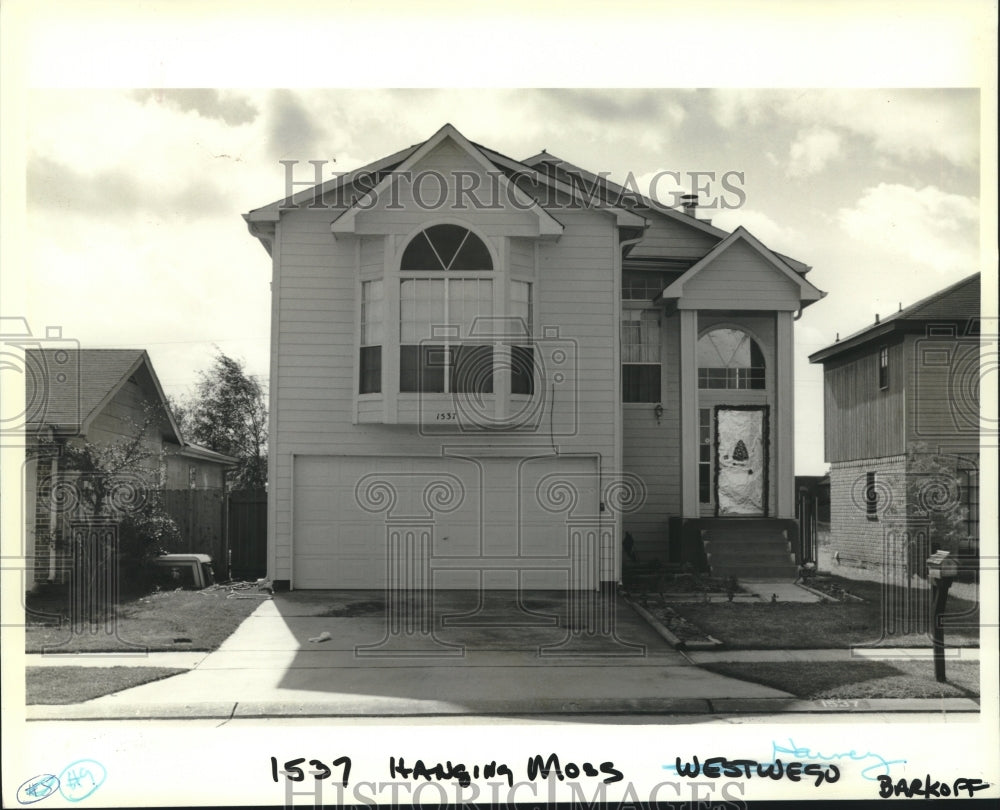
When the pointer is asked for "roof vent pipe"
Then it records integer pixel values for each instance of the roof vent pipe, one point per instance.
(690, 204)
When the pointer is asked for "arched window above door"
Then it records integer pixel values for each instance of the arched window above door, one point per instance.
(729, 358)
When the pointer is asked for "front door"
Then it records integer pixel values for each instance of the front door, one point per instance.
(741, 460)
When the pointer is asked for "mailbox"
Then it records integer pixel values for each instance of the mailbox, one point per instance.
(941, 568)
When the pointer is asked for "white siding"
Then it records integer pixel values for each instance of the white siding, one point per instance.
(317, 323)
(740, 278)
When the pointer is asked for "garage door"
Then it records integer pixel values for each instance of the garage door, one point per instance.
(360, 521)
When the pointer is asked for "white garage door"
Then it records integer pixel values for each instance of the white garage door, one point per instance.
(444, 522)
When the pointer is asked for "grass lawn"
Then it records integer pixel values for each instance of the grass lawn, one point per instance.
(168, 621)
(857, 679)
(826, 625)
(60, 685)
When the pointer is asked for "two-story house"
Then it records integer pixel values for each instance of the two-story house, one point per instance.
(901, 414)
(485, 371)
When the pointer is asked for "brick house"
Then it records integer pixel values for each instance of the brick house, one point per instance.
(901, 415)
(101, 396)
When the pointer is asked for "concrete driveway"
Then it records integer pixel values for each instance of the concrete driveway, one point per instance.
(466, 653)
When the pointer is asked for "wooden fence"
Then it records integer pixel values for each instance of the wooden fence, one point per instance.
(247, 525)
(200, 516)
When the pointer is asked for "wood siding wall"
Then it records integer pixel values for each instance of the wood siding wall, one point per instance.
(317, 321)
(652, 451)
(942, 395)
(863, 421)
(126, 410)
(740, 277)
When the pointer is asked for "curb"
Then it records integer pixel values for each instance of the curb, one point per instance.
(675, 642)
(392, 709)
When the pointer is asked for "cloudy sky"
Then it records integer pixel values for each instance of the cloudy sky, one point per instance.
(134, 234)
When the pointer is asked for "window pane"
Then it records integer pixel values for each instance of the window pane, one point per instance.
(446, 240)
(640, 337)
(640, 383)
(473, 255)
(370, 378)
(421, 368)
(446, 247)
(419, 255)
(421, 307)
(371, 313)
(472, 370)
(641, 286)
(705, 483)
(469, 299)
(409, 369)
(650, 337)
(522, 370)
(730, 358)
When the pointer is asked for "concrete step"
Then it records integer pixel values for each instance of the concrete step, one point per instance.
(749, 549)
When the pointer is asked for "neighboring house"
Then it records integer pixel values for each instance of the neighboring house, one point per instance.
(902, 432)
(101, 396)
(490, 393)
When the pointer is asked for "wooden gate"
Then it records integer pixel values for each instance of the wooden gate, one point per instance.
(247, 527)
(199, 515)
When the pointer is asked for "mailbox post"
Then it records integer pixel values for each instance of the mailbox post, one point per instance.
(942, 570)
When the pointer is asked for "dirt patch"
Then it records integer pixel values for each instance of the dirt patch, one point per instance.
(353, 609)
(684, 629)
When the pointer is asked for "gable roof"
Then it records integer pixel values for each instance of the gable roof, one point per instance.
(68, 389)
(807, 292)
(630, 208)
(958, 303)
(548, 225)
(606, 188)
(270, 212)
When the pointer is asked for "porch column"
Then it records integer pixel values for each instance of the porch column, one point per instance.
(783, 420)
(689, 412)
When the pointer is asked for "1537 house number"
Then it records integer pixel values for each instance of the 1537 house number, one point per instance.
(445, 416)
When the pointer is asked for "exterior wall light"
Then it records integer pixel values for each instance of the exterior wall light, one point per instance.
(658, 412)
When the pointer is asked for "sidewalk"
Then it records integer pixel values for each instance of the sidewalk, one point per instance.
(192, 660)
(269, 668)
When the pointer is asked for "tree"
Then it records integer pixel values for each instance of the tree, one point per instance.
(228, 414)
(935, 499)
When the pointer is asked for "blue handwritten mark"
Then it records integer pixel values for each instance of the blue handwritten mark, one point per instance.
(37, 788)
(81, 778)
(880, 764)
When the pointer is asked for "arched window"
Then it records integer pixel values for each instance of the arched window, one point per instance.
(448, 248)
(445, 302)
(730, 358)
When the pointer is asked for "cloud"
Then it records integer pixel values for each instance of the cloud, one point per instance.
(619, 105)
(775, 236)
(928, 226)
(906, 124)
(62, 188)
(293, 133)
(228, 107)
(812, 151)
